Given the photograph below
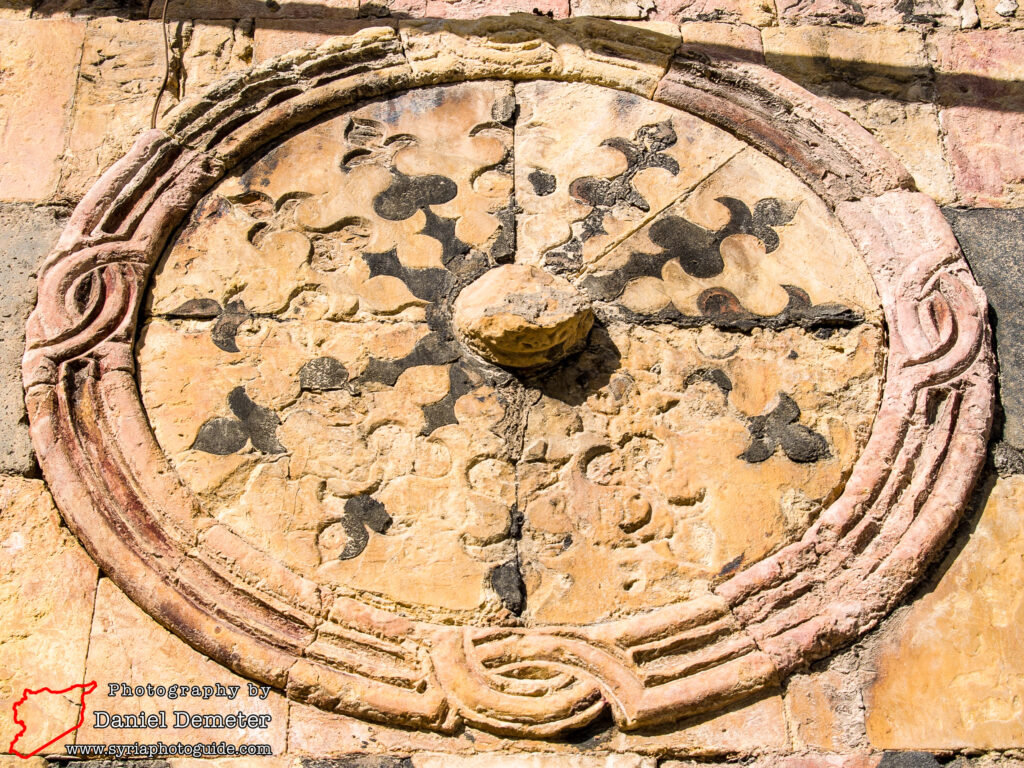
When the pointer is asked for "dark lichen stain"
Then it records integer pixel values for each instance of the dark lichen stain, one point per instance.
(645, 150)
(461, 381)
(731, 566)
(252, 423)
(696, 249)
(408, 194)
(362, 515)
(715, 376)
(322, 374)
(228, 318)
(507, 581)
(543, 182)
(780, 428)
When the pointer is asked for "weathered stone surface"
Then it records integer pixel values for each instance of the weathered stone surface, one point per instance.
(613, 9)
(282, 761)
(885, 62)
(212, 50)
(475, 9)
(533, 761)
(15, 9)
(993, 242)
(426, 205)
(825, 707)
(519, 316)
(122, 69)
(791, 761)
(47, 586)
(258, 9)
(949, 674)
(27, 234)
(738, 41)
(125, 9)
(348, 432)
(758, 13)
(127, 646)
(655, 478)
(879, 78)
(10, 761)
(275, 37)
(919, 13)
(909, 130)
(645, 154)
(979, 75)
(745, 730)
(461, 9)
(1000, 13)
(409, 433)
(888, 12)
(36, 92)
(466, 49)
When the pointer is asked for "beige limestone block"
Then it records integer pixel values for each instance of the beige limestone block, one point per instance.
(950, 673)
(469, 9)
(613, 9)
(122, 69)
(1000, 13)
(127, 646)
(807, 760)
(911, 132)
(284, 761)
(572, 51)
(15, 9)
(885, 61)
(825, 708)
(747, 729)
(274, 37)
(552, 163)
(38, 70)
(47, 589)
(10, 761)
(214, 49)
(950, 13)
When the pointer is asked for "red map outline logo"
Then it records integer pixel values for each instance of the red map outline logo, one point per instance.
(86, 689)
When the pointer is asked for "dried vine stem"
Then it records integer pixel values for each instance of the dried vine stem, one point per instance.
(167, 66)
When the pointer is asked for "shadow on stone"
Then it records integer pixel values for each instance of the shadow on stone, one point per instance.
(583, 374)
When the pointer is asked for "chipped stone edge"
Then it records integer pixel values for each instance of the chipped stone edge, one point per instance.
(121, 497)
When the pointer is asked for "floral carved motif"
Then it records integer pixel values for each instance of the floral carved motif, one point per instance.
(643, 244)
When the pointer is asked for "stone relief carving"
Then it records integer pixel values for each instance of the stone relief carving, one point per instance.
(443, 408)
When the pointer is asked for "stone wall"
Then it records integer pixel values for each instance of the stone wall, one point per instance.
(938, 83)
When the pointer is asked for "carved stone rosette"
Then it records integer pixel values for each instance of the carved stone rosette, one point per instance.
(122, 498)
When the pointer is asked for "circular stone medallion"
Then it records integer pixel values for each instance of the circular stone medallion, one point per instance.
(501, 372)
(299, 364)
